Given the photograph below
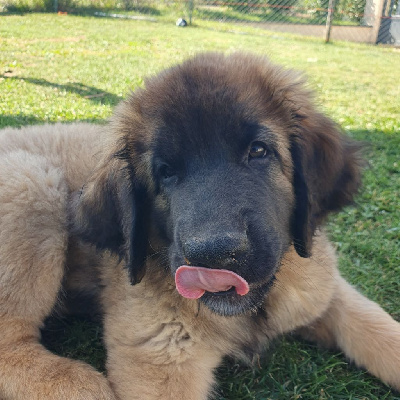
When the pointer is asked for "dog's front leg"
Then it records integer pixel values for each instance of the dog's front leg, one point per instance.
(365, 333)
(30, 372)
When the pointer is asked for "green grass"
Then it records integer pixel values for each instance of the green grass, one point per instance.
(66, 68)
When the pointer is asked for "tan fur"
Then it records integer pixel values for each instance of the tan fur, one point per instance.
(160, 345)
(37, 176)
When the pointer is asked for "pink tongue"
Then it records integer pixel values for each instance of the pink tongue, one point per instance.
(192, 282)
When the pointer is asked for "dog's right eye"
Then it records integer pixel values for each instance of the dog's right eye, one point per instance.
(166, 173)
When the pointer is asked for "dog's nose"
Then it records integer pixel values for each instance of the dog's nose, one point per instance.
(216, 251)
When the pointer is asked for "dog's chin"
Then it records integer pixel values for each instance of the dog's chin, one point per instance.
(230, 303)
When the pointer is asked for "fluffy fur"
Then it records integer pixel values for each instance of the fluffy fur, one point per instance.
(221, 162)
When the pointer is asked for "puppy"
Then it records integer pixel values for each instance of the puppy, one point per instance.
(195, 220)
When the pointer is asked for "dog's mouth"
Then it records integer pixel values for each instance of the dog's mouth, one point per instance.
(193, 282)
(223, 292)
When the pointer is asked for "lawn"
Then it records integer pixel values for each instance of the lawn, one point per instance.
(68, 68)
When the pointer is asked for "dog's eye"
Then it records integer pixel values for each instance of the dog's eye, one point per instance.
(257, 150)
(166, 172)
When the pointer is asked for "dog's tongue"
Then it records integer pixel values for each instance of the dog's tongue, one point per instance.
(192, 282)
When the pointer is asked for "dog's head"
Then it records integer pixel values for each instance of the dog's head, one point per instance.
(222, 163)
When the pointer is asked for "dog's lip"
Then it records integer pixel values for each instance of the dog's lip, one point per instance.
(230, 291)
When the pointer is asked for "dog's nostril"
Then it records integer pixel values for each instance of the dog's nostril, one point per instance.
(215, 251)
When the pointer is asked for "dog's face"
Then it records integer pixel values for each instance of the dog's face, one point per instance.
(222, 163)
(223, 197)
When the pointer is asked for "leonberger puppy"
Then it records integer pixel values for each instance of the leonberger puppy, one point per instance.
(194, 219)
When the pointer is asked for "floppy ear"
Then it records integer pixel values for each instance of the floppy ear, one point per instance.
(110, 212)
(326, 175)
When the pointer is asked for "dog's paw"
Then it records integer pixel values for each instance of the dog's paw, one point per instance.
(56, 380)
(76, 381)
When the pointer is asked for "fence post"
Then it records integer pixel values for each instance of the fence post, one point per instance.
(329, 20)
(378, 14)
(190, 10)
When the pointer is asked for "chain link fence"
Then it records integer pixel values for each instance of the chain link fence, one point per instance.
(369, 21)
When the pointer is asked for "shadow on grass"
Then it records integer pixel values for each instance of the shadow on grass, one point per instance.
(88, 92)
(90, 10)
(75, 337)
(377, 141)
(20, 120)
(10, 13)
(84, 11)
(17, 120)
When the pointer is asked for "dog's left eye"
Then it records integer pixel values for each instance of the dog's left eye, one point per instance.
(257, 150)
